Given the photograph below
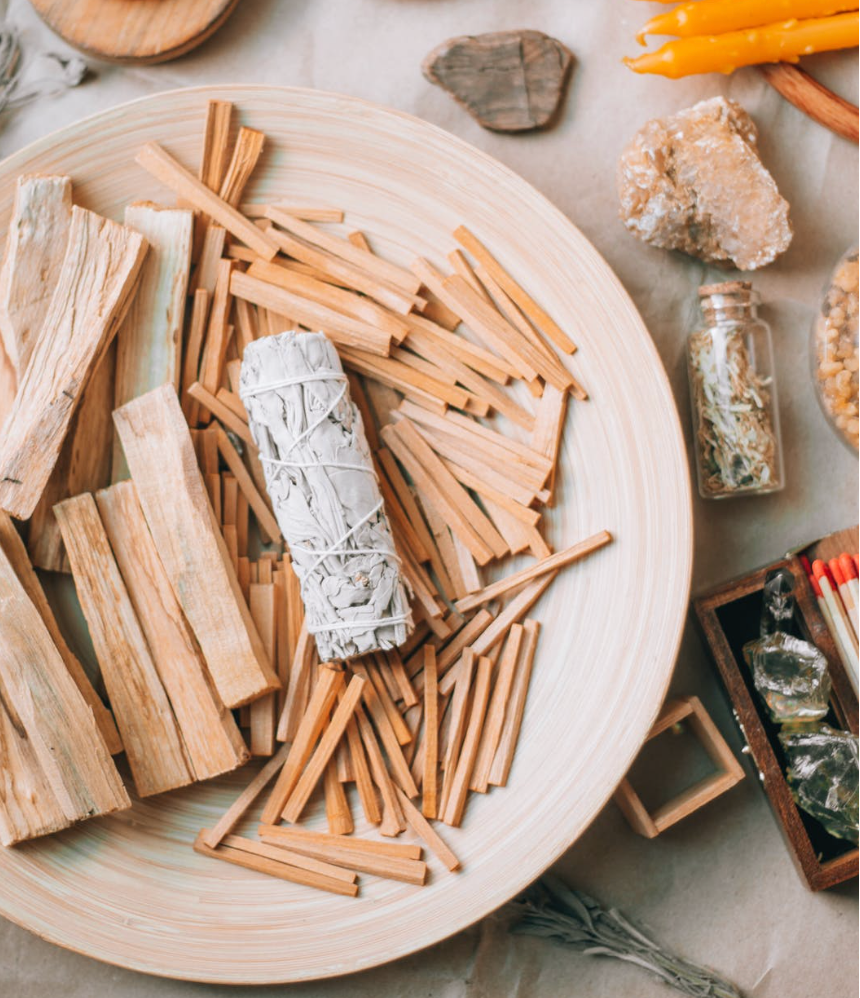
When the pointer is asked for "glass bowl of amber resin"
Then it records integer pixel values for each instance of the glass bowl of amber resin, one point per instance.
(834, 350)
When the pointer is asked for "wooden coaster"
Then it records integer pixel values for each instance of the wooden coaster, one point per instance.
(135, 31)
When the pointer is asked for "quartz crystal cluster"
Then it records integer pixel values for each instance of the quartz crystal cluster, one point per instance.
(694, 182)
(791, 677)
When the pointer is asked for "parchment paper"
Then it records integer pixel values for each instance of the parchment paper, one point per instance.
(720, 887)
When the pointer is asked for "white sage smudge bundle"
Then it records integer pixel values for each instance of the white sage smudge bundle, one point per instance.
(325, 494)
(553, 910)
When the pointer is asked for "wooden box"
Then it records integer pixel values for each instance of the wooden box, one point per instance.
(729, 617)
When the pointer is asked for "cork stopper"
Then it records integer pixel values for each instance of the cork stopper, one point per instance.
(726, 288)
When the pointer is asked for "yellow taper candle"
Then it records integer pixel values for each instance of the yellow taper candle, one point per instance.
(783, 42)
(714, 17)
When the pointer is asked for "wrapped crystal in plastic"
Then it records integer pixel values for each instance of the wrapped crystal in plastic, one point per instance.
(325, 494)
(822, 774)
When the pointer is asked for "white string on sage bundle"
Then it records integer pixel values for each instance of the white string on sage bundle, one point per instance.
(325, 494)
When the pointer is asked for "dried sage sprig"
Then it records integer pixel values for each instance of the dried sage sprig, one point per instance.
(553, 910)
(325, 494)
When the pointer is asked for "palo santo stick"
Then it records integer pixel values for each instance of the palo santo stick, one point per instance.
(223, 413)
(13, 547)
(492, 731)
(527, 304)
(518, 534)
(459, 712)
(314, 873)
(447, 551)
(161, 165)
(475, 478)
(343, 329)
(158, 449)
(397, 764)
(504, 754)
(283, 855)
(381, 269)
(363, 309)
(206, 273)
(489, 395)
(324, 751)
(150, 734)
(338, 814)
(94, 289)
(293, 837)
(483, 438)
(237, 810)
(450, 652)
(453, 494)
(312, 723)
(295, 703)
(263, 606)
(265, 518)
(193, 348)
(35, 246)
(217, 338)
(429, 782)
(233, 402)
(308, 213)
(519, 605)
(400, 677)
(149, 342)
(391, 812)
(70, 774)
(213, 742)
(463, 268)
(549, 424)
(410, 871)
(402, 377)
(466, 761)
(425, 831)
(553, 371)
(550, 564)
(482, 361)
(325, 266)
(273, 867)
(213, 159)
(361, 772)
(246, 153)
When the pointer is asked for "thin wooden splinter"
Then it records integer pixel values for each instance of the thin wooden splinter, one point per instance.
(430, 780)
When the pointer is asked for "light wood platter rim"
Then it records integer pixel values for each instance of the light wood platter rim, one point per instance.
(683, 525)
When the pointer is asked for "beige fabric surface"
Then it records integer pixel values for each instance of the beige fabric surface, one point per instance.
(719, 887)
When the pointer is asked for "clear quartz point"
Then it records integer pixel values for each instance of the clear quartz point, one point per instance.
(822, 774)
(790, 674)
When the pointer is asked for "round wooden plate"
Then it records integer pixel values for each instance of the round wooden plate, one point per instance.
(135, 31)
(128, 889)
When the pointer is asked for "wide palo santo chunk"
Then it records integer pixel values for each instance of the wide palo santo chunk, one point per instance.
(95, 286)
(56, 768)
(163, 465)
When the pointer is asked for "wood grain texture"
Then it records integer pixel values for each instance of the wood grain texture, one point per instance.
(407, 185)
(163, 465)
(149, 342)
(150, 734)
(47, 728)
(14, 549)
(35, 247)
(209, 733)
(135, 31)
(94, 289)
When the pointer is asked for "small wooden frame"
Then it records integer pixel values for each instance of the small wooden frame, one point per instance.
(729, 616)
(729, 771)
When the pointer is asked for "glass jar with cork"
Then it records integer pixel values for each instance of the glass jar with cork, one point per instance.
(733, 394)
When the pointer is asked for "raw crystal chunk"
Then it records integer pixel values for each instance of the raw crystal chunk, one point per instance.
(822, 775)
(694, 182)
(791, 677)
